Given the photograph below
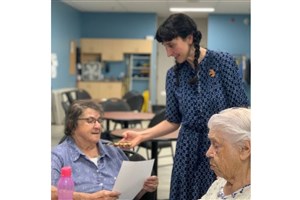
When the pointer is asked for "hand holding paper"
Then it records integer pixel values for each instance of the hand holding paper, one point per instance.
(131, 178)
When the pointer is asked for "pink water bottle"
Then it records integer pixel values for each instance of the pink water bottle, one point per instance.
(65, 186)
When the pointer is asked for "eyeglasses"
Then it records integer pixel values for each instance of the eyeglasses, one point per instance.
(91, 120)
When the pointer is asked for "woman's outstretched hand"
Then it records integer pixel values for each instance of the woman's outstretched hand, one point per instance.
(132, 137)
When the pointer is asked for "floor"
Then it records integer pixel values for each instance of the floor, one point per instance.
(164, 163)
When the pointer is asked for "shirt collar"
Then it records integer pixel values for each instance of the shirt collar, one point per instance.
(76, 152)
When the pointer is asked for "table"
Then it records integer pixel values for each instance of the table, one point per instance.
(126, 117)
(171, 136)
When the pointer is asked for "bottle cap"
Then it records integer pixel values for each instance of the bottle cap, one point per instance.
(66, 171)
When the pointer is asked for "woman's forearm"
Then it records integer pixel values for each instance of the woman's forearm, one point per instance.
(80, 196)
(163, 128)
(76, 195)
(54, 195)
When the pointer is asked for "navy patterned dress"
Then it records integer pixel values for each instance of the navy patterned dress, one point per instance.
(220, 86)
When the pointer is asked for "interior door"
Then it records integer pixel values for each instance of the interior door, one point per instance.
(163, 64)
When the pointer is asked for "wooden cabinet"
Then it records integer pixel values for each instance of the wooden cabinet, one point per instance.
(112, 49)
(107, 49)
(102, 89)
(90, 46)
(99, 50)
(136, 46)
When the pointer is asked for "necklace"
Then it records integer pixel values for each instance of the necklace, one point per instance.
(233, 195)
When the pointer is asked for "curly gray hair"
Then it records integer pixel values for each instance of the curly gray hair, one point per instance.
(235, 123)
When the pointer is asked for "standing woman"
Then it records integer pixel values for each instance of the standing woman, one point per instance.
(200, 84)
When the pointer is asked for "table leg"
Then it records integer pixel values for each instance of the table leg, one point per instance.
(107, 124)
(154, 156)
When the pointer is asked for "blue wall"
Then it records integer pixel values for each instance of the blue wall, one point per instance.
(118, 25)
(114, 69)
(65, 26)
(229, 33)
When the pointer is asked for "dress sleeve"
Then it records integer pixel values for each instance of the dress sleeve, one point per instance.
(232, 83)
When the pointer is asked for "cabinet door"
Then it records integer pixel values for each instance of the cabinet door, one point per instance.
(100, 90)
(112, 89)
(90, 46)
(136, 46)
(91, 87)
(114, 49)
(110, 50)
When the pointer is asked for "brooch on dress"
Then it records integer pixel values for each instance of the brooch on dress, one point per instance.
(212, 73)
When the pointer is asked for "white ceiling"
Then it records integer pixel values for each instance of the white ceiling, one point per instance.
(160, 7)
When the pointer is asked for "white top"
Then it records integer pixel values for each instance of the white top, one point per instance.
(95, 160)
(216, 192)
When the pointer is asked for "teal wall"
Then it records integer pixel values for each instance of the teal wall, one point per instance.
(229, 33)
(65, 26)
(118, 25)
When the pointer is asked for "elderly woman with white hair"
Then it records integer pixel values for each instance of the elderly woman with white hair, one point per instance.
(230, 154)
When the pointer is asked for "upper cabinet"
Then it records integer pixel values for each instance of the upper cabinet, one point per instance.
(90, 46)
(136, 46)
(112, 49)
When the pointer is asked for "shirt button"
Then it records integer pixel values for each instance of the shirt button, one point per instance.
(101, 184)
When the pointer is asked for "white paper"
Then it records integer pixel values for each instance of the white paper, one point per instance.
(131, 178)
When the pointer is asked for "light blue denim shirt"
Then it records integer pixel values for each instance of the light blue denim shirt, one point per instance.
(87, 176)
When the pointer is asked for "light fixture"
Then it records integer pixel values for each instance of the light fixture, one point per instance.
(192, 9)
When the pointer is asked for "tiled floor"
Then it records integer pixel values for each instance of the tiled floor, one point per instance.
(164, 163)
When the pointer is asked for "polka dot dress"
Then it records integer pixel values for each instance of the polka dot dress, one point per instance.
(219, 87)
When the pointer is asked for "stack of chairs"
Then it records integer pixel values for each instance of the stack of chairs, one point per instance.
(70, 96)
(116, 104)
(135, 100)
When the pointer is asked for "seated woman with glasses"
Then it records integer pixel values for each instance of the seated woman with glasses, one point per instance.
(95, 166)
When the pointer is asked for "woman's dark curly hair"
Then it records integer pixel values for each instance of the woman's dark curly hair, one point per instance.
(180, 25)
(75, 110)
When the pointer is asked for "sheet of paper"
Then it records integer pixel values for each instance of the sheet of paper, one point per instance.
(131, 178)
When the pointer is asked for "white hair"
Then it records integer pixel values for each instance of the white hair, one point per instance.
(234, 123)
